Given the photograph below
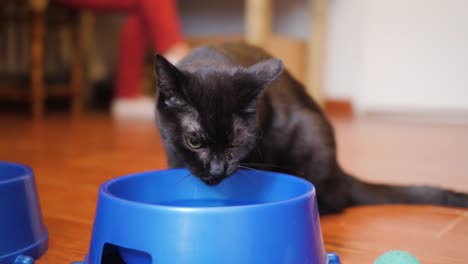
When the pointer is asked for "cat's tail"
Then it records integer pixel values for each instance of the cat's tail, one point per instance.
(363, 193)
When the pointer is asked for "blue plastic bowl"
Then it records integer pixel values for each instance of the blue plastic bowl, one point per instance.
(23, 236)
(167, 217)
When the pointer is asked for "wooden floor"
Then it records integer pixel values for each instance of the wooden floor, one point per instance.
(72, 157)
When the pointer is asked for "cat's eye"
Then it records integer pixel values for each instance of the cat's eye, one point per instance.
(193, 142)
(237, 143)
(174, 101)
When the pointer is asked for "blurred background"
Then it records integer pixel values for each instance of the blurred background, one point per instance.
(391, 75)
(77, 101)
(378, 56)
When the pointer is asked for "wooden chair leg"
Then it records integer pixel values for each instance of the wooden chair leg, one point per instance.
(77, 71)
(316, 50)
(258, 21)
(37, 64)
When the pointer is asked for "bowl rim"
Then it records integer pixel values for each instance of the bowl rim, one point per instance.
(104, 190)
(26, 172)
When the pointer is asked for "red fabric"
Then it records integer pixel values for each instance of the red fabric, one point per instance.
(148, 21)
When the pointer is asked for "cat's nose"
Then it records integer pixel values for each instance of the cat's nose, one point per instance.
(218, 169)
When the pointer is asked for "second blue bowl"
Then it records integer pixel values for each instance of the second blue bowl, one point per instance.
(23, 235)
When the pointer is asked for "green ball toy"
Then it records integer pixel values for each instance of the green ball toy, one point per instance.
(397, 257)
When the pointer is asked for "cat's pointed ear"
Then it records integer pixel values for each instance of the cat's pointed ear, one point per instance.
(265, 72)
(259, 76)
(169, 80)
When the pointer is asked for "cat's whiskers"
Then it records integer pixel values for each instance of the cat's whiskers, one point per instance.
(245, 167)
(210, 139)
(172, 186)
(247, 175)
(182, 179)
(265, 165)
(189, 181)
(179, 181)
(258, 150)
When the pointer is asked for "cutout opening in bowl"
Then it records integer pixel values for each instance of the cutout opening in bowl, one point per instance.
(113, 254)
(178, 188)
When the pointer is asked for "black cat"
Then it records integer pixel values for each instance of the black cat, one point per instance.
(232, 105)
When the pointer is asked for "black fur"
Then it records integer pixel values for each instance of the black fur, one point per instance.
(238, 104)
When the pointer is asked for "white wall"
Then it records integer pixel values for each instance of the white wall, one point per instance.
(390, 55)
(344, 55)
(415, 56)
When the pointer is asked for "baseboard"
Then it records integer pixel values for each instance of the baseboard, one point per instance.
(342, 108)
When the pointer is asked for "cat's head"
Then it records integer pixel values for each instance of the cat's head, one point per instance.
(209, 116)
